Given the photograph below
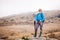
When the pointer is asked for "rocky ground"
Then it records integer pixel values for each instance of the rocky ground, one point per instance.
(20, 31)
(19, 27)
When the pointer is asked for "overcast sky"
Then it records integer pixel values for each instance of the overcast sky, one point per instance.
(9, 7)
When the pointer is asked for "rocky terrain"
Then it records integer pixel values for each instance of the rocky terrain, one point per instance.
(20, 26)
(27, 18)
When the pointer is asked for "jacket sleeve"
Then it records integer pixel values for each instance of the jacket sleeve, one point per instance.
(36, 16)
(43, 17)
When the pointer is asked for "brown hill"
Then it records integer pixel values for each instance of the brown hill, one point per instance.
(17, 26)
(27, 18)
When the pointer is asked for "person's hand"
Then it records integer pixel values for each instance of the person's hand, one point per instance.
(40, 20)
(36, 21)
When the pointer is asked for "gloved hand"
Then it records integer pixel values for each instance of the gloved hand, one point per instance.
(40, 20)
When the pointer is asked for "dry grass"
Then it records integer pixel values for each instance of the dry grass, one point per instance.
(18, 31)
(22, 26)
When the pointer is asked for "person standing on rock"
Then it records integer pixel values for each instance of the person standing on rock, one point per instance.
(38, 22)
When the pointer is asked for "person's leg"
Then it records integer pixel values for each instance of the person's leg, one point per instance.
(36, 28)
(41, 25)
(34, 23)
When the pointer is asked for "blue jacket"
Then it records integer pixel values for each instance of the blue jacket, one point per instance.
(39, 17)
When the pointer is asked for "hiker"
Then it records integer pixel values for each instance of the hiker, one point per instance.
(38, 21)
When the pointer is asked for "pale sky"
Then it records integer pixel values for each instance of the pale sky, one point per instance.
(10, 7)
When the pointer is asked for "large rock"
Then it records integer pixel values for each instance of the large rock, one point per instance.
(42, 38)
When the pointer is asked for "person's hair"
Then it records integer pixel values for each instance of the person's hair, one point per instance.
(40, 10)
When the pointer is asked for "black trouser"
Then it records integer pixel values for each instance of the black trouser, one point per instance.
(36, 25)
